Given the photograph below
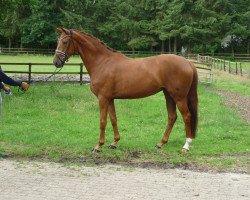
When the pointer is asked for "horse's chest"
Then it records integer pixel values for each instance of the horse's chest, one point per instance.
(94, 88)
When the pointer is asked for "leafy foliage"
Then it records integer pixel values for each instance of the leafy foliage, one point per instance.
(166, 25)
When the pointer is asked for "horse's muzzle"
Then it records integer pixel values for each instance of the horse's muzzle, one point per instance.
(58, 63)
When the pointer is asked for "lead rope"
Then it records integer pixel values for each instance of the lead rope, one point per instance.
(53, 74)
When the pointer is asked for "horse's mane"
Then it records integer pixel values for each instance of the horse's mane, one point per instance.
(98, 40)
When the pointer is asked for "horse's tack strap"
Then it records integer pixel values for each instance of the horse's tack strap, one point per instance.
(60, 53)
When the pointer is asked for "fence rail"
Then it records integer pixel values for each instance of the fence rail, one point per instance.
(225, 65)
(29, 71)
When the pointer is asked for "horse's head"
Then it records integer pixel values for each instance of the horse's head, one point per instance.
(65, 47)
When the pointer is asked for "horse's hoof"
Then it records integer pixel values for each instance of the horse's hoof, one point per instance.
(4, 155)
(95, 150)
(112, 146)
(157, 146)
(184, 150)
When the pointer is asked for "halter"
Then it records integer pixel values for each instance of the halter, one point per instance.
(63, 54)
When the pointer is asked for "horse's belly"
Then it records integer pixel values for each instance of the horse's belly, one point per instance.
(138, 90)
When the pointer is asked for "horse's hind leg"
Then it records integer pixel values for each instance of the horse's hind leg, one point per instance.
(186, 115)
(113, 120)
(172, 116)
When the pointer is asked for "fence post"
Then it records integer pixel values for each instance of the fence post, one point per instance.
(81, 70)
(229, 67)
(236, 68)
(29, 72)
(241, 70)
(224, 65)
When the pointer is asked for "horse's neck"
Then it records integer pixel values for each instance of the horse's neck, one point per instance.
(93, 53)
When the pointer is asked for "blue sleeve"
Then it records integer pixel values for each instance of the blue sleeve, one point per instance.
(1, 85)
(7, 80)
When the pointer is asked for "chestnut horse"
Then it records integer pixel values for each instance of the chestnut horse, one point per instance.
(115, 76)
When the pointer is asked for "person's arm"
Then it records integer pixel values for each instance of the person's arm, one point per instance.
(1, 85)
(7, 80)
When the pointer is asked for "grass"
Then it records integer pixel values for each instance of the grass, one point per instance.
(62, 122)
(235, 83)
(245, 64)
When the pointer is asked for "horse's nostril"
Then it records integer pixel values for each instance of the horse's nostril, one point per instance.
(57, 63)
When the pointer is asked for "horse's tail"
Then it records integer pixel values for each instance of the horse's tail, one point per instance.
(193, 102)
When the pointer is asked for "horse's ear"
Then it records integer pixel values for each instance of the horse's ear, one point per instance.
(65, 30)
(61, 30)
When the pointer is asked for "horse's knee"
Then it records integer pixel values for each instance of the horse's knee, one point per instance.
(103, 124)
(187, 118)
(172, 118)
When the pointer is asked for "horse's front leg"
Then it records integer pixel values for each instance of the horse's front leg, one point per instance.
(103, 106)
(113, 120)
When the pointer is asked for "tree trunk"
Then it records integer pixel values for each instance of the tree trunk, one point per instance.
(169, 44)
(248, 46)
(175, 45)
(162, 45)
(151, 48)
(9, 43)
(133, 50)
(232, 47)
(189, 47)
(21, 45)
(204, 49)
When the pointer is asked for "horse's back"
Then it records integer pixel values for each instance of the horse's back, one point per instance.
(165, 68)
(140, 77)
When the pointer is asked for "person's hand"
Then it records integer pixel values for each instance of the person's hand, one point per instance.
(7, 90)
(25, 86)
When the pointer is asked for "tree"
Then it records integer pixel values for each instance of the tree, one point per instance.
(198, 25)
(39, 29)
(12, 14)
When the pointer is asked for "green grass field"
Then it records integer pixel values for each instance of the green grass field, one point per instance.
(61, 122)
(231, 82)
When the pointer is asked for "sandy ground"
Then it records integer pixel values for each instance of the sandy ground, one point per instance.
(32, 180)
